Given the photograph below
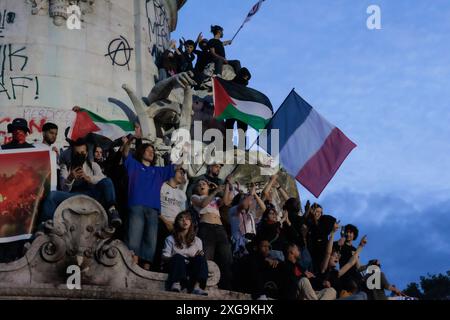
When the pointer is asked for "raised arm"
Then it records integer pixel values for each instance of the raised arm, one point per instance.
(266, 191)
(228, 195)
(283, 192)
(261, 204)
(354, 258)
(329, 249)
(204, 203)
(126, 146)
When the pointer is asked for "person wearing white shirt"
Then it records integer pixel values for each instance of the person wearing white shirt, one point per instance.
(183, 253)
(49, 135)
(173, 201)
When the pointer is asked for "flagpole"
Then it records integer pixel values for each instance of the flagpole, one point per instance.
(237, 32)
(293, 90)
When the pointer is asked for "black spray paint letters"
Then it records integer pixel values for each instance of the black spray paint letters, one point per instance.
(6, 18)
(158, 26)
(13, 59)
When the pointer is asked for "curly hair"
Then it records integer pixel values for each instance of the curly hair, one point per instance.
(352, 229)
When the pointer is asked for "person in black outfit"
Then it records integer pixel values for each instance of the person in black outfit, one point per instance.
(217, 49)
(346, 250)
(203, 59)
(258, 270)
(279, 234)
(242, 77)
(187, 56)
(293, 207)
(331, 277)
(19, 130)
(316, 241)
(291, 273)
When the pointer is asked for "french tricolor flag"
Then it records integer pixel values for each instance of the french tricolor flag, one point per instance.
(310, 148)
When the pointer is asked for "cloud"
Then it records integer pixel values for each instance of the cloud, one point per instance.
(410, 238)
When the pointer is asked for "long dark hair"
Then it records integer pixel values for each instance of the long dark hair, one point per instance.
(139, 154)
(190, 236)
(269, 207)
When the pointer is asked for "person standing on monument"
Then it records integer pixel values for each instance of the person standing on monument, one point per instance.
(145, 180)
(217, 49)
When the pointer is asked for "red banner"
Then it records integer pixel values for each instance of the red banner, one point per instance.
(25, 176)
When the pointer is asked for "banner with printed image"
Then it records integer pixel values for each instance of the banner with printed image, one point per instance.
(25, 178)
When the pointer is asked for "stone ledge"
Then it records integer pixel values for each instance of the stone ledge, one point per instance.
(79, 235)
(45, 292)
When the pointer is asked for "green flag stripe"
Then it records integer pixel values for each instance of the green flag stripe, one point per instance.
(231, 112)
(123, 124)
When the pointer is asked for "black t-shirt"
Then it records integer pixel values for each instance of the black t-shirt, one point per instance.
(218, 47)
(331, 275)
(203, 59)
(347, 252)
(297, 223)
(15, 145)
(290, 275)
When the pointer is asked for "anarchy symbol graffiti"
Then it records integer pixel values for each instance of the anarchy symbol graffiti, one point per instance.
(119, 51)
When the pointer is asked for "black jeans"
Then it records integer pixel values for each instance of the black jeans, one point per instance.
(218, 65)
(217, 248)
(188, 271)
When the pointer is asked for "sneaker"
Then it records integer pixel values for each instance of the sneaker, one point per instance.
(176, 287)
(262, 297)
(114, 217)
(199, 292)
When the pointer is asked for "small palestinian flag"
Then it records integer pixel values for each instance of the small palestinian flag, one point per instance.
(235, 101)
(88, 122)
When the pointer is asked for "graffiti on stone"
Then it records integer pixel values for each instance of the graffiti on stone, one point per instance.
(5, 19)
(158, 27)
(36, 117)
(119, 51)
(13, 63)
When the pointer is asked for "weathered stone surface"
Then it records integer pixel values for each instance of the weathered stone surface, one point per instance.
(79, 236)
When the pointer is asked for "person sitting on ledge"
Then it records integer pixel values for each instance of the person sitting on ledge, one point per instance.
(216, 47)
(82, 177)
(19, 130)
(188, 53)
(184, 257)
(331, 277)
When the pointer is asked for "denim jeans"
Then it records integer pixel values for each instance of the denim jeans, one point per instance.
(143, 231)
(217, 248)
(103, 192)
(188, 271)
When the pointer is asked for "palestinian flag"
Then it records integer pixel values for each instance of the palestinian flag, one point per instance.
(235, 101)
(88, 122)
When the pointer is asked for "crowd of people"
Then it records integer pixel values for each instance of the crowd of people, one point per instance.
(210, 53)
(174, 223)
